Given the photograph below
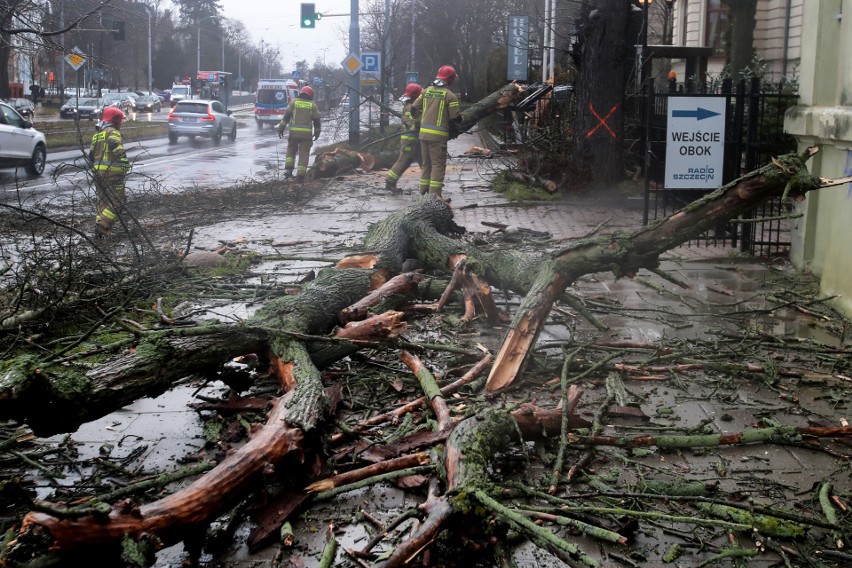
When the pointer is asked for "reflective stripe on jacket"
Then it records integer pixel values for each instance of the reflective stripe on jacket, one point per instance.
(107, 152)
(439, 106)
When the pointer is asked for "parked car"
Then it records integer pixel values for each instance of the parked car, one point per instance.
(148, 103)
(84, 107)
(24, 107)
(201, 118)
(20, 143)
(165, 96)
(121, 100)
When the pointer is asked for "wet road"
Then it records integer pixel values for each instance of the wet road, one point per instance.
(171, 167)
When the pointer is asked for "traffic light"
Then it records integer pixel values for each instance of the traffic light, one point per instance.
(309, 16)
(118, 31)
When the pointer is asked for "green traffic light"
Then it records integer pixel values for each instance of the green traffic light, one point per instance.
(309, 16)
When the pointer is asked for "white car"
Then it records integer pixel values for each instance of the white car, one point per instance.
(20, 143)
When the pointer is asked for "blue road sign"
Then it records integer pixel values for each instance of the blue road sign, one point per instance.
(372, 62)
(295, 75)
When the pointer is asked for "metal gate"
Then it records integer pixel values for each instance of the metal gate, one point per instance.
(754, 132)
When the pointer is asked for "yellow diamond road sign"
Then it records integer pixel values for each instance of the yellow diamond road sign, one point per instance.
(76, 58)
(352, 64)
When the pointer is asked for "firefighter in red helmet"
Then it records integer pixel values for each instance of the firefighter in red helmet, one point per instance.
(110, 168)
(305, 128)
(409, 145)
(437, 107)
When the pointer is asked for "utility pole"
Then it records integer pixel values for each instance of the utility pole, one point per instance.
(150, 76)
(354, 80)
(62, 44)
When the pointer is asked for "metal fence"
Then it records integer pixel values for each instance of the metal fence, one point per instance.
(754, 121)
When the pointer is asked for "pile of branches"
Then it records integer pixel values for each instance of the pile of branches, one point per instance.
(494, 468)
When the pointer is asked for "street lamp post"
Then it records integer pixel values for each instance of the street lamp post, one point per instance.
(198, 43)
(150, 75)
(643, 48)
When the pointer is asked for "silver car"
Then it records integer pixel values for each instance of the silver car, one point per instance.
(201, 118)
(121, 100)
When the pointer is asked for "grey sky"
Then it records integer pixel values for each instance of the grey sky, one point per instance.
(276, 22)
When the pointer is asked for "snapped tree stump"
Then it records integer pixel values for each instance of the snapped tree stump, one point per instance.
(421, 231)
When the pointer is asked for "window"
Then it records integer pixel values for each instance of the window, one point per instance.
(12, 117)
(217, 107)
(272, 96)
(717, 27)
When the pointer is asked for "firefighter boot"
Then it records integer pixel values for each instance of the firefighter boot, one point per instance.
(288, 173)
(391, 186)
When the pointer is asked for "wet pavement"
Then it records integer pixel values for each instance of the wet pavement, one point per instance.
(721, 280)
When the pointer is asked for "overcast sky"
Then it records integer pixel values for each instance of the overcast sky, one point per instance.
(276, 22)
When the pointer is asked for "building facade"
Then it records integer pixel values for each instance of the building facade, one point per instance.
(777, 34)
(822, 237)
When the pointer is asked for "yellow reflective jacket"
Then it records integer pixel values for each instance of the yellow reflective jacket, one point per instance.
(410, 123)
(107, 153)
(303, 114)
(437, 106)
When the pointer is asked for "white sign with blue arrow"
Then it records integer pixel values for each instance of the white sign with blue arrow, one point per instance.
(695, 142)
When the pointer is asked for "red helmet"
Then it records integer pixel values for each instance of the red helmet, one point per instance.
(447, 73)
(113, 114)
(412, 91)
(307, 91)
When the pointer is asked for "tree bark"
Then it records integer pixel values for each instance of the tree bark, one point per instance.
(625, 254)
(599, 127)
(741, 15)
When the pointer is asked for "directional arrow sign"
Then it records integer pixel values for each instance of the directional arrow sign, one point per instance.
(697, 113)
(695, 142)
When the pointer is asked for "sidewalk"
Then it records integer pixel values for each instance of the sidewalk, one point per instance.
(334, 223)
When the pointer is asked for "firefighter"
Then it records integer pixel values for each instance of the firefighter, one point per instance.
(110, 168)
(437, 108)
(304, 113)
(409, 145)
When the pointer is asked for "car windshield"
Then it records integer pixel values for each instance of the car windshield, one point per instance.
(197, 108)
(113, 96)
(147, 99)
(180, 90)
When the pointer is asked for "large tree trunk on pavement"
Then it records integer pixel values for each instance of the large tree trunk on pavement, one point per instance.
(318, 308)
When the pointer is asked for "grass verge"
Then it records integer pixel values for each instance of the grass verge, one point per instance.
(70, 134)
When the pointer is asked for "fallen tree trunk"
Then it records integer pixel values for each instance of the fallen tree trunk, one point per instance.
(532, 180)
(339, 162)
(342, 161)
(318, 307)
(624, 254)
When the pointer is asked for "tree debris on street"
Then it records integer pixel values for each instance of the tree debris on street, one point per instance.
(395, 366)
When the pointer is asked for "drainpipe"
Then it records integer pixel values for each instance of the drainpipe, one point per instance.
(786, 41)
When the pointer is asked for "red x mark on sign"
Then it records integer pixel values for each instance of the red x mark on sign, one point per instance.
(602, 121)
